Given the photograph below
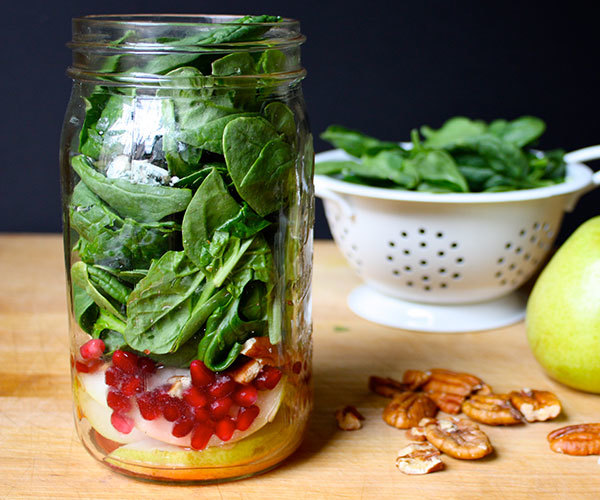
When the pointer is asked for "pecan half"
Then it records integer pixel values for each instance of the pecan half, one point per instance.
(536, 406)
(582, 439)
(414, 379)
(407, 409)
(449, 403)
(387, 387)
(450, 382)
(247, 371)
(459, 438)
(484, 390)
(492, 409)
(260, 348)
(417, 433)
(419, 458)
(349, 418)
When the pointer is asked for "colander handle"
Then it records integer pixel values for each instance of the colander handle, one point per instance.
(580, 156)
(326, 194)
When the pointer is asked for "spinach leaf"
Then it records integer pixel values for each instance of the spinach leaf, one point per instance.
(237, 63)
(141, 202)
(455, 131)
(519, 132)
(109, 284)
(355, 143)
(84, 308)
(389, 165)
(211, 207)
(438, 172)
(282, 118)
(80, 276)
(258, 160)
(161, 303)
(271, 61)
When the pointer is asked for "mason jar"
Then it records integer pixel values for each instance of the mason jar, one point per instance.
(186, 167)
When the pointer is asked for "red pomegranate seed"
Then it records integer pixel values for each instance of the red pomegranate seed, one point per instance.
(297, 367)
(201, 436)
(195, 397)
(201, 414)
(245, 395)
(113, 376)
(122, 423)
(201, 375)
(171, 410)
(92, 349)
(149, 409)
(146, 366)
(131, 385)
(224, 429)
(118, 401)
(246, 416)
(182, 428)
(220, 407)
(222, 386)
(268, 378)
(126, 361)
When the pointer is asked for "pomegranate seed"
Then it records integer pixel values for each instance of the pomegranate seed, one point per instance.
(245, 395)
(182, 428)
(195, 397)
(122, 423)
(113, 376)
(146, 366)
(222, 386)
(220, 407)
(131, 385)
(89, 366)
(148, 406)
(118, 401)
(246, 416)
(201, 375)
(126, 361)
(201, 436)
(171, 410)
(268, 378)
(201, 414)
(297, 367)
(92, 349)
(224, 429)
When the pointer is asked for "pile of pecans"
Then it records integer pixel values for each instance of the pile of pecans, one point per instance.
(416, 400)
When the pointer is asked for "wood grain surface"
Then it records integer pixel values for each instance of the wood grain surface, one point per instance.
(41, 457)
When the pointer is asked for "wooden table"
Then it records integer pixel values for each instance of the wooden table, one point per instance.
(41, 457)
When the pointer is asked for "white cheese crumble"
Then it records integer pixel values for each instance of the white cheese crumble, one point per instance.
(138, 171)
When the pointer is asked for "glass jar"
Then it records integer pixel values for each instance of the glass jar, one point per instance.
(186, 165)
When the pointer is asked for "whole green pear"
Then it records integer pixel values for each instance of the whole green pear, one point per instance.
(563, 311)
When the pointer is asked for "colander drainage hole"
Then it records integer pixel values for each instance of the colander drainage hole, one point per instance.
(404, 234)
(408, 269)
(409, 283)
(427, 288)
(460, 260)
(536, 225)
(456, 276)
(442, 270)
(498, 274)
(533, 239)
(503, 282)
(395, 272)
(423, 262)
(508, 245)
(406, 251)
(443, 285)
(421, 230)
(390, 258)
(512, 267)
(392, 244)
(454, 244)
(441, 253)
(527, 256)
(501, 260)
(423, 244)
(523, 232)
(518, 250)
(425, 278)
(439, 234)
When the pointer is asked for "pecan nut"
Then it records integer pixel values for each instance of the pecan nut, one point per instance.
(536, 406)
(414, 379)
(261, 348)
(450, 382)
(349, 418)
(387, 387)
(459, 438)
(448, 403)
(246, 372)
(407, 409)
(419, 458)
(582, 439)
(492, 409)
(417, 433)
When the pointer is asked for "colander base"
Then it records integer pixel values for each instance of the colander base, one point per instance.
(384, 310)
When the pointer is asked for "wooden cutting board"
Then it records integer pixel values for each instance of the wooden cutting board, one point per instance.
(41, 457)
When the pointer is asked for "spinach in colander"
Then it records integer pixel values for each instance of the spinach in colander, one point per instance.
(462, 156)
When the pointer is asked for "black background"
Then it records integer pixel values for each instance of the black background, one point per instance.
(381, 67)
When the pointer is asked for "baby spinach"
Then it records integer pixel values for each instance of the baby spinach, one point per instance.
(462, 156)
(184, 271)
(142, 202)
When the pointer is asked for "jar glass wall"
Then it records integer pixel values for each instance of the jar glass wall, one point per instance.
(186, 168)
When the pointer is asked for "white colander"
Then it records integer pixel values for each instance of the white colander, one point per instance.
(447, 262)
